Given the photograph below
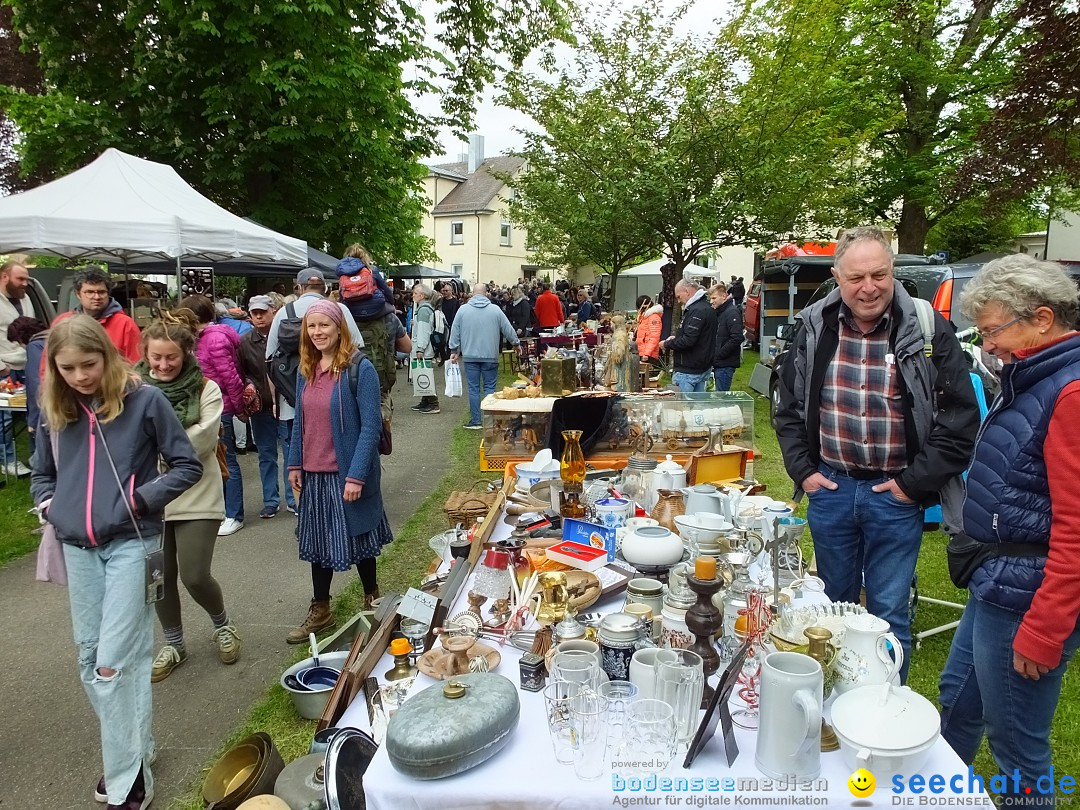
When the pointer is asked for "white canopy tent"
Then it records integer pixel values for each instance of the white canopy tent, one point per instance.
(127, 209)
(645, 279)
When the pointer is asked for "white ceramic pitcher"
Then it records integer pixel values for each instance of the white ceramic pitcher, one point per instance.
(789, 735)
(864, 657)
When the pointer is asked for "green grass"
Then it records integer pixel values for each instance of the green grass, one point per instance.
(18, 538)
(401, 565)
(933, 581)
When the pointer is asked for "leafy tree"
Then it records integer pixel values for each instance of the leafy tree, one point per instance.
(912, 94)
(645, 140)
(975, 227)
(297, 112)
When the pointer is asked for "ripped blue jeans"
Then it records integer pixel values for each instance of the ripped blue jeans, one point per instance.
(114, 631)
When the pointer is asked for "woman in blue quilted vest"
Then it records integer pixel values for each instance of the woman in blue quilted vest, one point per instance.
(1019, 629)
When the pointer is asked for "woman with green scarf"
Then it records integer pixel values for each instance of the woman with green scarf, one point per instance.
(192, 520)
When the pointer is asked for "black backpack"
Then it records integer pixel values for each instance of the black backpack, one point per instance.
(284, 363)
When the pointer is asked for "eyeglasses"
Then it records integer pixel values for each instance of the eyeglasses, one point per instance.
(997, 330)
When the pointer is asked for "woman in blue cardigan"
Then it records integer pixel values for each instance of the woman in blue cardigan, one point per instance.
(334, 462)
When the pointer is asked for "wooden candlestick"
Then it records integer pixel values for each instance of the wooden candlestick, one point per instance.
(704, 620)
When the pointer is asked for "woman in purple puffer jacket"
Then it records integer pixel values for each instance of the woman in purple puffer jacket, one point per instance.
(218, 353)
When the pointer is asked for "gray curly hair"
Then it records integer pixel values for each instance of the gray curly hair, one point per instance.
(1022, 284)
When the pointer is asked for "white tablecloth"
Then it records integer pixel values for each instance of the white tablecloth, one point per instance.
(525, 775)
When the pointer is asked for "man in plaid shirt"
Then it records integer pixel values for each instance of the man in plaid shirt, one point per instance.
(874, 423)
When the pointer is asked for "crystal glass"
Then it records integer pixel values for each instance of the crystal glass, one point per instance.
(589, 723)
(576, 666)
(749, 688)
(648, 741)
(415, 631)
(557, 697)
(681, 684)
(493, 575)
(620, 694)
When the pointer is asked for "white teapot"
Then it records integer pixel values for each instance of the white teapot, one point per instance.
(668, 475)
(864, 657)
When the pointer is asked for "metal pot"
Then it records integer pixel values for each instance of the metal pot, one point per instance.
(232, 776)
(310, 703)
(347, 758)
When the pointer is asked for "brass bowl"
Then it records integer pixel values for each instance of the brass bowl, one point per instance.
(230, 780)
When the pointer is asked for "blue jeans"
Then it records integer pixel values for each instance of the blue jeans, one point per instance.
(723, 378)
(690, 383)
(866, 537)
(980, 691)
(264, 431)
(475, 371)
(234, 487)
(114, 629)
(284, 427)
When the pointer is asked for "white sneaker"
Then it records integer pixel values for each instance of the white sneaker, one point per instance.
(17, 469)
(229, 526)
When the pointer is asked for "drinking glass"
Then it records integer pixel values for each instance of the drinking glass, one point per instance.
(681, 684)
(589, 731)
(576, 666)
(648, 742)
(619, 694)
(415, 631)
(557, 697)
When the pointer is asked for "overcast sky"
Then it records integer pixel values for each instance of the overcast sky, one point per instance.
(497, 124)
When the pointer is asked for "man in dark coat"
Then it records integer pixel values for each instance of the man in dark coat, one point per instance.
(727, 353)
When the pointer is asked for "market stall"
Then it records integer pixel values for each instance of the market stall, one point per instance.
(616, 636)
(525, 772)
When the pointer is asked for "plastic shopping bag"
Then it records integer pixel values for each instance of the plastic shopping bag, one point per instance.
(423, 378)
(453, 379)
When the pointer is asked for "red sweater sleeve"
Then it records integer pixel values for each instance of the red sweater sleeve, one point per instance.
(1054, 609)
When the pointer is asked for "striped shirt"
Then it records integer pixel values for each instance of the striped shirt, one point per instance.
(862, 416)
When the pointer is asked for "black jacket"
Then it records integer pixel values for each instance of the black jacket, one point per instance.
(693, 344)
(941, 414)
(520, 315)
(729, 336)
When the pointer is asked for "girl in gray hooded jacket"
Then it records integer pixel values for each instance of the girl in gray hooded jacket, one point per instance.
(101, 439)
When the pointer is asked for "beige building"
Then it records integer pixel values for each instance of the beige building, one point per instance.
(468, 221)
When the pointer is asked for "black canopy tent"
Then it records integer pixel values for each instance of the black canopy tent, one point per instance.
(415, 271)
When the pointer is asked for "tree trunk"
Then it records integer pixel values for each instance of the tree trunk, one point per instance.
(912, 228)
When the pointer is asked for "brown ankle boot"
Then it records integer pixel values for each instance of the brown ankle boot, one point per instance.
(369, 598)
(318, 618)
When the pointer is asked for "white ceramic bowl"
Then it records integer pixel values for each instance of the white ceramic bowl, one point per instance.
(692, 530)
(652, 545)
(638, 522)
(885, 729)
(711, 520)
(528, 475)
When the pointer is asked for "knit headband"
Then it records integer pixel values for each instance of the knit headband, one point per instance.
(327, 308)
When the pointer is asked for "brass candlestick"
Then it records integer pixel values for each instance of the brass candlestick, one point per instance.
(704, 621)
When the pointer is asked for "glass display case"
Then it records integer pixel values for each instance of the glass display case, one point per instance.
(515, 428)
(682, 423)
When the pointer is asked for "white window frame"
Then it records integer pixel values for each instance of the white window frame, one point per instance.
(506, 233)
(457, 269)
(457, 232)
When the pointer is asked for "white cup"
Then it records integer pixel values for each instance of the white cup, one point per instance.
(643, 666)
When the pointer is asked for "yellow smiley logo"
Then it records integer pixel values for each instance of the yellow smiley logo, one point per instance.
(862, 783)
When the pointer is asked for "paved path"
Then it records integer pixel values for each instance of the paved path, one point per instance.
(49, 746)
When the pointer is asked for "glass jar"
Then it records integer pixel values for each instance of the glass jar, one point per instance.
(638, 481)
(674, 633)
(493, 575)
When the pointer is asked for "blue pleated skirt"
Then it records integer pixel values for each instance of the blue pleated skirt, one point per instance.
(324, 537)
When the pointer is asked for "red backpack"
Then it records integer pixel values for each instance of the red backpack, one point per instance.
(359, 287)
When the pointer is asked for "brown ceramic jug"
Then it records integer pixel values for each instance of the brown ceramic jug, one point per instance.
(669, 505)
